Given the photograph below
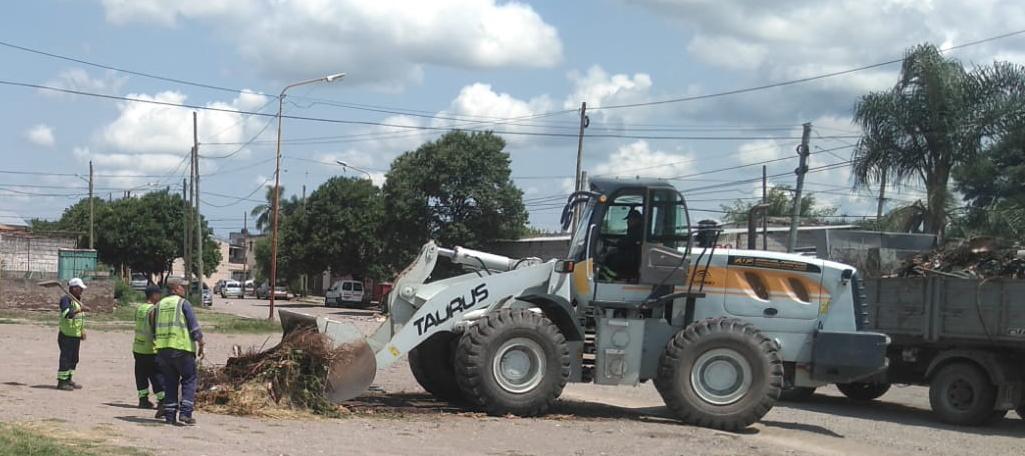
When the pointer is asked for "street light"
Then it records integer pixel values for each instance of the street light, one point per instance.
(277, 185)
(346, 165)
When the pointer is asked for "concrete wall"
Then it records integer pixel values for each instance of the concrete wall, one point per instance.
(26, 294)
(24, 252)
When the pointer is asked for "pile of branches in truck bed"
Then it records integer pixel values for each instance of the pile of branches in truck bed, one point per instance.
(968, 260)
(287, 379)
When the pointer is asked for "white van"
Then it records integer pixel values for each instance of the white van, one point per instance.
(344, 292)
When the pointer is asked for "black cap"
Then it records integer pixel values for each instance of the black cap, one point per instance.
(153, 289)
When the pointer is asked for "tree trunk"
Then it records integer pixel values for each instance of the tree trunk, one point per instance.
(936, 189)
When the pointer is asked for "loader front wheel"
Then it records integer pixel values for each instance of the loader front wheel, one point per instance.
(433, 366)
(512, 362)
(720, 373)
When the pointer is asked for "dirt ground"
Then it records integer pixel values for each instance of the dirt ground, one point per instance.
(398, 418)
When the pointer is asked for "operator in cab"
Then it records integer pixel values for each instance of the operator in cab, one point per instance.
(625, 258)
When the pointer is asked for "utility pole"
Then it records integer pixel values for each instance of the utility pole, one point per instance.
(882, 197)
(91, 204)
(199, 219)
(245, 250)
(802, 168)
(578, 179)
(765, 218)
(186, 246)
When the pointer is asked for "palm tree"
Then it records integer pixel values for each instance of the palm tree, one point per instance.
(931, 121)
(262, 212)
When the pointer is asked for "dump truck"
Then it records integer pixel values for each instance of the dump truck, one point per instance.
(963, 338)
(642, 295)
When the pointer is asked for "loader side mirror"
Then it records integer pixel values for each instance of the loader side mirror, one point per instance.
(564, 266)
(846, 275)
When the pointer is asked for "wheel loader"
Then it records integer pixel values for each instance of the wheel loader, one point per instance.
(641, 295)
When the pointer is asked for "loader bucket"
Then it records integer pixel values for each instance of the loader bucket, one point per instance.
(353, 372)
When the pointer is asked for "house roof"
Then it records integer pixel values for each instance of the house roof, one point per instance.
(8, 218)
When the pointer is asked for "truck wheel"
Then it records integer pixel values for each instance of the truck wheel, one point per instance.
(962, 394)
(432, 363)
(720, 373)
(864, 392)
(512, 362)
(797, 394)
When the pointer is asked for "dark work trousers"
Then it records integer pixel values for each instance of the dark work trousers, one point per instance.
(147, 373)
(69, 356)
(179, 369)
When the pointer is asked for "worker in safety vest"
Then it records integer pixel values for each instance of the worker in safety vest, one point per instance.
(178, 340)
(146, 371)
(71, 334)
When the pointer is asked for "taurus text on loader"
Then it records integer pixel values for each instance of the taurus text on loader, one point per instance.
(640, 296)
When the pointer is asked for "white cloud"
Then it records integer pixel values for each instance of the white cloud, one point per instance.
(478, 103)
(78, 79)
(758, 151)
(41, 135)
(599, 88)
(639, 159)
(386, 44)
(144, 128)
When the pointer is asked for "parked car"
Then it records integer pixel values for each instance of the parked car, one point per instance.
(207, 297)
(138, 281)
(280, 292)
(344, 292)
(231, 289)
(249, 288)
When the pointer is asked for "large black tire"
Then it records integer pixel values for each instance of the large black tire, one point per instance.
(961, 393)
(432, 363)
(512, 362)
(687, 371)
(1020, 411)
(863, 392)
(797, 394)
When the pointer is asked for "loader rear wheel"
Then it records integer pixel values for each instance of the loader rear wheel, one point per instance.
(863, 392)
(433, 366)
(962, 394)
(512, 362)
(720, 373)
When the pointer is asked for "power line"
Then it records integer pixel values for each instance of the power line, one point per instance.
(801, 80)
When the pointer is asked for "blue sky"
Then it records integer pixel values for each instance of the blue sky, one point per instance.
(475, 60)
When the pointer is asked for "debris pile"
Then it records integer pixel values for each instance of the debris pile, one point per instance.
(288, 379)
(968, 260)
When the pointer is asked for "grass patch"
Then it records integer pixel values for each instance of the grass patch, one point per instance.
(123, 317)
(32, 440)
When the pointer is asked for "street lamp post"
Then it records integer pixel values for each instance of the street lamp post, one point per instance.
(277, 186)
(348, 166)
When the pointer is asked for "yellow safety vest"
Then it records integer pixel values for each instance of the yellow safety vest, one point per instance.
(72, 327)
(172, 331)
(143, 331)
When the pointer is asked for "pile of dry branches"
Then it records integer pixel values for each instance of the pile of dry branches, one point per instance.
(288, 379)
(968, 260)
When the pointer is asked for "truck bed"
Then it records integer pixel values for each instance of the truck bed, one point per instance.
(946, 311)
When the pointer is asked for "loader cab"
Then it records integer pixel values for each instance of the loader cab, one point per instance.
(628, 239)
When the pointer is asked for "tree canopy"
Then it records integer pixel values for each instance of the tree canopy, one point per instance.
(780, 199)
(937, 117)
(456, 190)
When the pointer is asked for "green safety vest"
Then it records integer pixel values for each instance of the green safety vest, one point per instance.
(172, 331)
(143, 331)
(72, 327)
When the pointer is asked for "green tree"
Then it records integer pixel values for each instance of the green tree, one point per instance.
(781, 202)
(456, 190)
(934, 119)
(337, 230)
(262, 212)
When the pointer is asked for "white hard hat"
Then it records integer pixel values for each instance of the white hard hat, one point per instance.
(76, 282)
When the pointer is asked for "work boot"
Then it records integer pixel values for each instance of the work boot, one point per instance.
(144, 403)
(74, 385)
(186, 421)
(63, 385)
